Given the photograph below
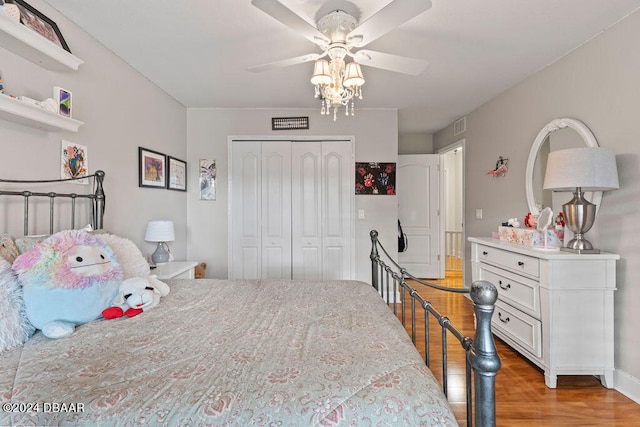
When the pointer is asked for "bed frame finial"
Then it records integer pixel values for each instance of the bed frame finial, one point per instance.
(483, 355)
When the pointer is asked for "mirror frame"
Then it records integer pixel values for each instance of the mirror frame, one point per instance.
(554, 125)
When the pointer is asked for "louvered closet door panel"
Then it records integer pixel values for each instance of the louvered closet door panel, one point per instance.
(337, 186)
(306, 214)
(246, 189)
(276, 210)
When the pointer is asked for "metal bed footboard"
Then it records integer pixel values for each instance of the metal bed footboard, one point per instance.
(481, 355)
(97, 198)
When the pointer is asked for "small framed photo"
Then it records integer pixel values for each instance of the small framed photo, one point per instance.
(177, 177)
(152, 168)
(207, 179)
(33, 19)
(63, 99)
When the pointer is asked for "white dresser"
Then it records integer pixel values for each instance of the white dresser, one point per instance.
(175, 270)
(555, 308)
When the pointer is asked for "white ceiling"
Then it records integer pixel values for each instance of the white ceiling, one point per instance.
(198, 51)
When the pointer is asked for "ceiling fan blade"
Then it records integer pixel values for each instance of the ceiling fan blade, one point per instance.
(286, 16)
(285, 62)
(386, 19)
(387, 61)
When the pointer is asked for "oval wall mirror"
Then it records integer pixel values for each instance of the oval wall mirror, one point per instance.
(538, 198)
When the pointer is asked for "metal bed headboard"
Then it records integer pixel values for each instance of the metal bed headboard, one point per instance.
(97, 198)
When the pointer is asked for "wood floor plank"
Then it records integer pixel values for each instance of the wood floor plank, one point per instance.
(522, 399)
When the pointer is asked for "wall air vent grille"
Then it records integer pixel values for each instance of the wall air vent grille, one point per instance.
(459, 126)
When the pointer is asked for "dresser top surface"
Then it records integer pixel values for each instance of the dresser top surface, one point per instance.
(540, 253)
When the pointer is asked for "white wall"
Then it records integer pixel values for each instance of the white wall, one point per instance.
(121, 111)
(415, 143)
(597, 84)
(376, 140)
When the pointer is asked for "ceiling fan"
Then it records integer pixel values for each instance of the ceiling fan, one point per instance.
(338, 32)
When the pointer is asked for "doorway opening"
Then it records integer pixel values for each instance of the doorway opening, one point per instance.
(452, 163)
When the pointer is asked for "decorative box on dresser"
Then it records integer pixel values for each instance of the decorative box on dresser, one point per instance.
(555, 308)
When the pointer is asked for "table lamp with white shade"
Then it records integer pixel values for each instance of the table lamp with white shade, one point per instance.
(160, 232)
(579, 170)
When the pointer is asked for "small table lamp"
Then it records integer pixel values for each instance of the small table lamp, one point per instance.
(579, 170)
(161, 232)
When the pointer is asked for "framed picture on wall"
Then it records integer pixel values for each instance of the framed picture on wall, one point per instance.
(33, 19)
(152, 168)
(207, 179)
(376, 178)
(177, 176)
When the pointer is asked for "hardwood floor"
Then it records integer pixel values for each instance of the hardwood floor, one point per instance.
(522, 399)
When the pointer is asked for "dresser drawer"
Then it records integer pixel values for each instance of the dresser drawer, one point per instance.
(513, 261)
(513, 289)
(519, 327)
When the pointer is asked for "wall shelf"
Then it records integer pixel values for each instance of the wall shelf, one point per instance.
(23, 113)
(35, 48)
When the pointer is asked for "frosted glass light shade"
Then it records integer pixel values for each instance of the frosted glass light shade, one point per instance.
(590, 168)
(160, 231)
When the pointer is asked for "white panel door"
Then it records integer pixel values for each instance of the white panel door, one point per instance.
(246, 211)
(276, 210)
(291, 210)
(417, 187)
(306, 203)
(322, 184)
(337, 187)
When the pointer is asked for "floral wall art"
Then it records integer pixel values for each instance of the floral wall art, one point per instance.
(75, 162)
(376, 178)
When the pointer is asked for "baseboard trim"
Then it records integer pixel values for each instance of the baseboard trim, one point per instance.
(627, 385)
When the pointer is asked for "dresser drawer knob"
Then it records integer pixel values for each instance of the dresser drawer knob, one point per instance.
(485, 253)
(520, 263)
(505, 320)
(504, 287)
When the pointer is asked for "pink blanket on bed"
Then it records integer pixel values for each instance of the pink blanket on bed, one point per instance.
(230, 353)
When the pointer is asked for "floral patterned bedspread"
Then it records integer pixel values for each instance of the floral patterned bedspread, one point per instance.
(230, 353)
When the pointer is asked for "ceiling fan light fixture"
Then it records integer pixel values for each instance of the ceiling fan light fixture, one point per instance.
(336, 84)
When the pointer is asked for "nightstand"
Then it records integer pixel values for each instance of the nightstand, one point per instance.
(175, 270)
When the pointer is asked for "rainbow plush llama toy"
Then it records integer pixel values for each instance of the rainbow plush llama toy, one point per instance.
(68, 279)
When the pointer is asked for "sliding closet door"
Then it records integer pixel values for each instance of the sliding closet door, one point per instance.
(260, 210)
(321, 210)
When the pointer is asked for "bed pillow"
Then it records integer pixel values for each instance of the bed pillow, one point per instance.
(15, 328)
(26, 243)
(128, 255)
(8, 248)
